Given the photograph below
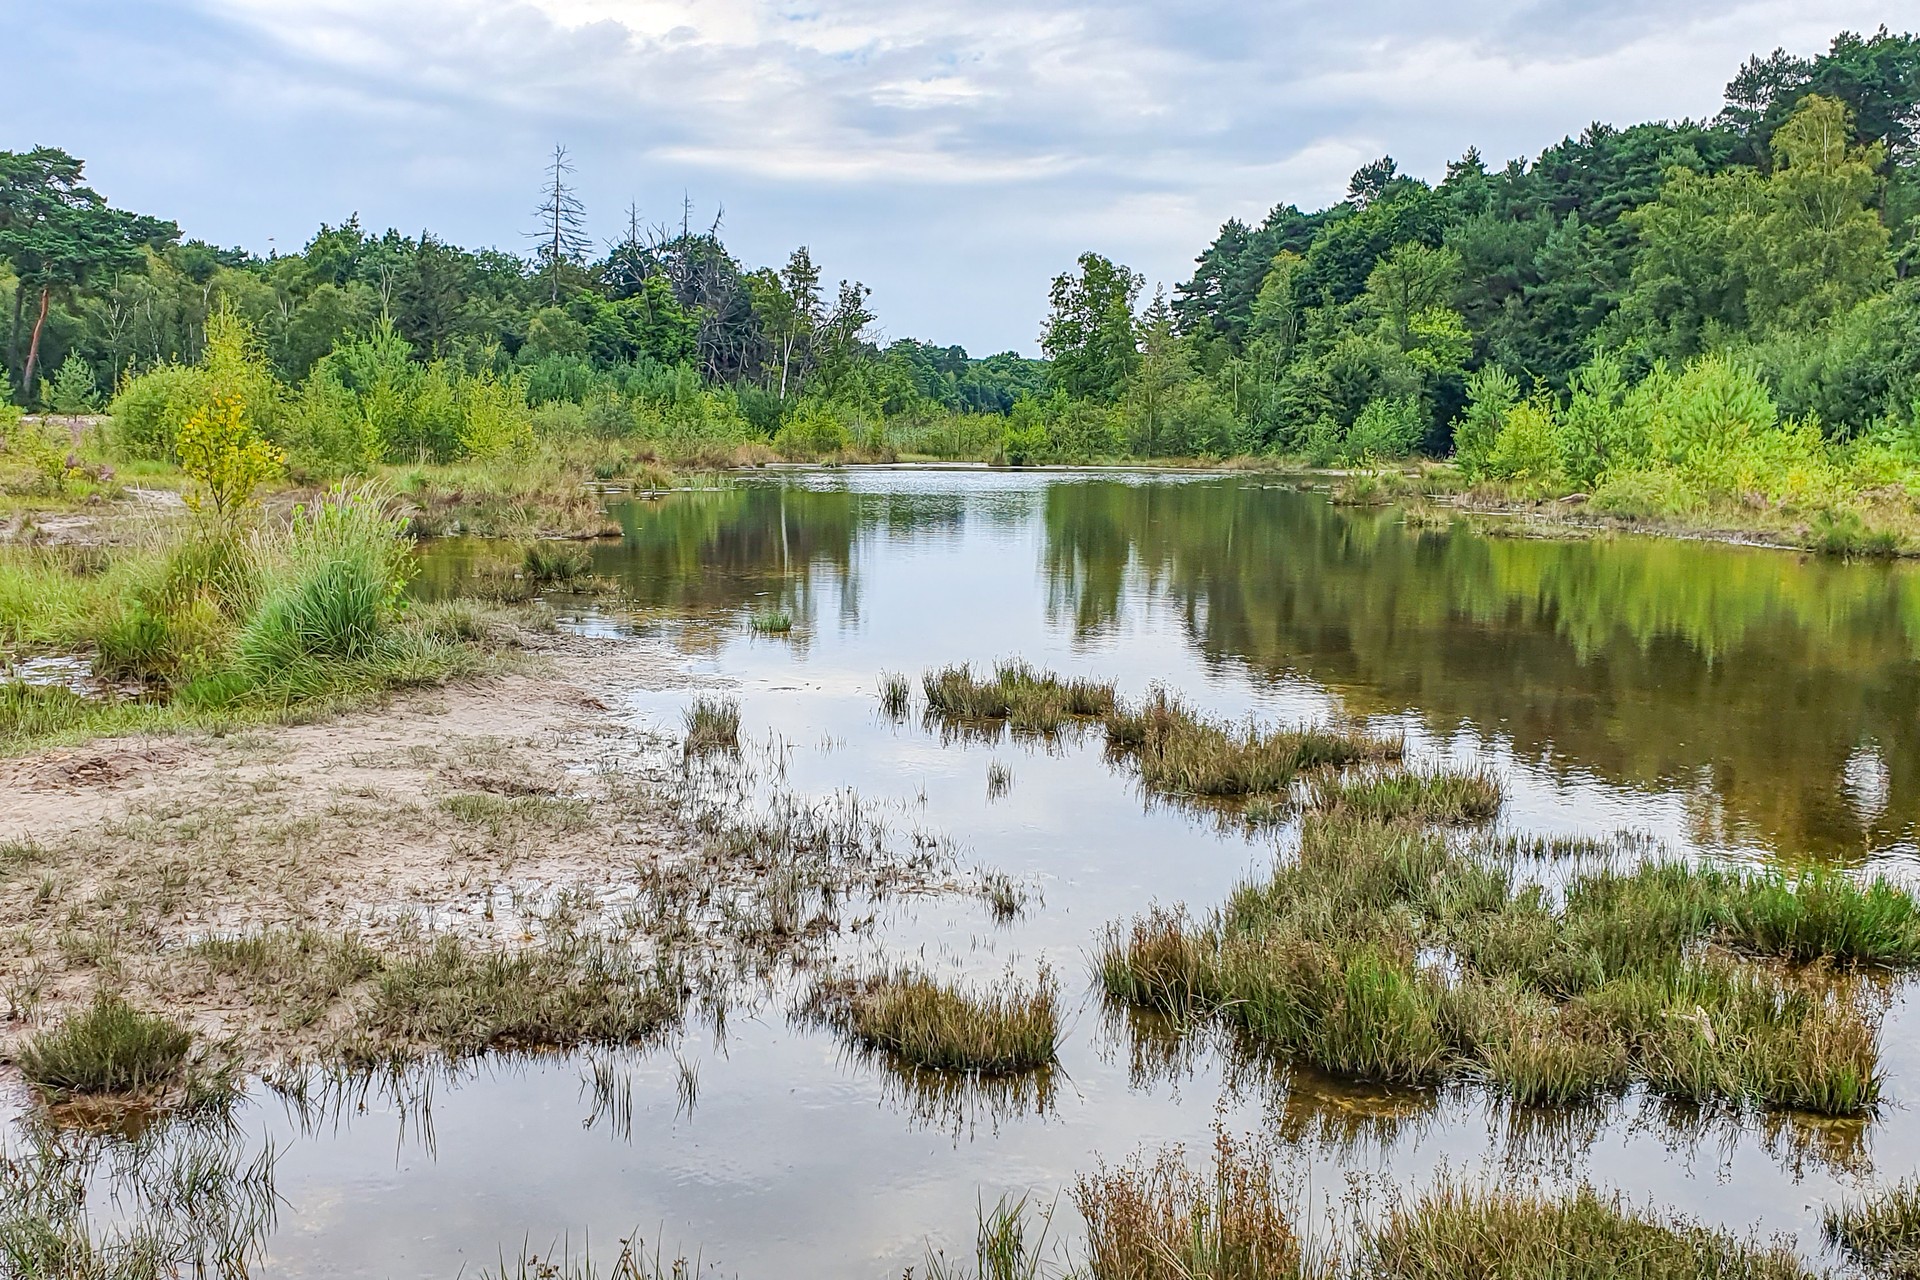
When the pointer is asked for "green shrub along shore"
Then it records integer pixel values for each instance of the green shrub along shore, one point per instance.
(1698, 323)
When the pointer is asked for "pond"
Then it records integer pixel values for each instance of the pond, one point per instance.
(1734, 702)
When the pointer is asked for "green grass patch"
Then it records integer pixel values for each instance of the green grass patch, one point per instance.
(772, 622)
(1179, 752)
(1443, 796)
(1026, 700)
(1384, 952)
(1881, 1232)
(712, 724)
(1007, 1028)
(108, 1048)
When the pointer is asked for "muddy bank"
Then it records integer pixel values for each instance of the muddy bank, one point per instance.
(122, 856)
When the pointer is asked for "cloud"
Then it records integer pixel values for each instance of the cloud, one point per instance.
(953, 155)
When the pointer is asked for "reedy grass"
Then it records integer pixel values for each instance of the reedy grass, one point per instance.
(108, 1048)
(1879, 1232)
(1454, 1231)
(712, 724)
(1440, 796)
(1331, 961)
(1027, 700)
(1010, 1027)
(896, 695)
(1179, 752)
(1160, 1219)
(556, 563)
(772, 622)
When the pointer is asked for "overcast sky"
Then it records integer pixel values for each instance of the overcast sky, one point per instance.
(953, 155)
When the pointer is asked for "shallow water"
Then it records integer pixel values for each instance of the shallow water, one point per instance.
(1734, 702)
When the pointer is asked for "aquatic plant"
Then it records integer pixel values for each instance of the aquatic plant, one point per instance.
(1336, 960)
(556, 563)
(108, 1048)
(896, 694)
(1452, 797)
(1880, 1232)
(772, 622)
(712, 724)
(1160, 1219)
(1029, 701)
(1179, 752)
(1009, 1027)
(1453, 1231)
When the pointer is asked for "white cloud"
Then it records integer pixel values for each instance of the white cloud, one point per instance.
(953, 154)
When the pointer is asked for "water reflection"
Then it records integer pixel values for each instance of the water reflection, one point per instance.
(1774, 692)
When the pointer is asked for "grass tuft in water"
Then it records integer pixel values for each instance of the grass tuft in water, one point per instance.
(1027, 700)
(772, 622)
(713, 724)
(1385, 952)
(1163, 1220)
(896, 695)
(1011, 1027)
(108, 1048)
(1880, 1233)
(1445, 797)
(556, 563)
(1179, 752)
(1453, 1232)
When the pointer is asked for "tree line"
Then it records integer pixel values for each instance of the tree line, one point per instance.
(1679, 309)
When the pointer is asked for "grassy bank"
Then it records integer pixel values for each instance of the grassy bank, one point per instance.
(1709, 986)
(211, 622)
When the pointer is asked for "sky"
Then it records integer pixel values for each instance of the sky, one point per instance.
(954, 156)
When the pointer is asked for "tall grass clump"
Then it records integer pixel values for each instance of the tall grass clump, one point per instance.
(335, 582)
(556, 563)
(1880, 1233)
(1442, 796)
(1010, 1027)
(1161, 1219)
(1453, 1232)
(1029, 701)
(1179, 752)
(1824, 913)
(712, 724)
(1385, 952)
(896, 695)
(772, 622)
(108, 1048)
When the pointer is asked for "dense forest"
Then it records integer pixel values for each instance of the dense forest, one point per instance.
(1665, 313)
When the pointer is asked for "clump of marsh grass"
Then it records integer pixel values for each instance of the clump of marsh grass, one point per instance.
(1001, 1248)
(1824, 913)
(1027, 700)
(109, 1048)
(553, 564)
(1880, 1233)
(772, 622)
(1010, 1027)
(1179, 752)
(1005, 897)
(1385, 952)
(712, 724)
(896, 695)
(999, 780)
(1441, 796)
(1161, 1219)
(1454, 1231)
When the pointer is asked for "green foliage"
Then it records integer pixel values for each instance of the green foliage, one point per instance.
(109, 1048)
(345, 562)
(72, 390)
